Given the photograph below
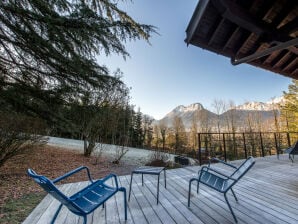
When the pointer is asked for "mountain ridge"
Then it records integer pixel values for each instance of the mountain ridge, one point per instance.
(187, 113)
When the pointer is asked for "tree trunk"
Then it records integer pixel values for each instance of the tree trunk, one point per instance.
(88, 146)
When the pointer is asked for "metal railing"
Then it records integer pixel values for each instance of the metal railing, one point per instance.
(233, 146)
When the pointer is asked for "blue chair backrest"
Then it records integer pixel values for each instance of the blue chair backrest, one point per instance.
(50, 187)
(243, 168)
(293, 149)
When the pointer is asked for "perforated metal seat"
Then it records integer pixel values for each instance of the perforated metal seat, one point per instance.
(219, 181)
(293, 150)
(86, 200)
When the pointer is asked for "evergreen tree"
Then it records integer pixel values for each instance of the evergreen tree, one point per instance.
(48, 50)
(137, 140)
(289, 111)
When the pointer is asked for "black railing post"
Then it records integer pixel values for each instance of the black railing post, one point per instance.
(224, 144)
(200, 151)
(276, 145)
(244, 144)
(289, 140)
(262, 146)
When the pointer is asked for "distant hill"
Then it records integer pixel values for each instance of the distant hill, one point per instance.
(264, 111)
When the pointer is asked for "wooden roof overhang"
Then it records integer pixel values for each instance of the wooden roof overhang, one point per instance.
(263, 33)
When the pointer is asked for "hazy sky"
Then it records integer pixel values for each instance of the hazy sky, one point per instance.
(169, 73)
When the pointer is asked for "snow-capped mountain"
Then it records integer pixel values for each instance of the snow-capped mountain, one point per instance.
(268, 106)
(254, 106)
(187, 113)
(191, 108)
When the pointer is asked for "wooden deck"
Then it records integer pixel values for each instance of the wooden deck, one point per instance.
(268, 193)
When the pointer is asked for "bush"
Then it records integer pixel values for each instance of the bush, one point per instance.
(158, 158)
(19, 133)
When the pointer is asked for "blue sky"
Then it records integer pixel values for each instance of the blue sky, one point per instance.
(169, 73)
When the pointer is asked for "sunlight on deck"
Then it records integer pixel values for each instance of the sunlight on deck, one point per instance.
(268, 193)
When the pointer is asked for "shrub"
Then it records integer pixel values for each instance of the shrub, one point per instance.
(158, 158)
(19, 133)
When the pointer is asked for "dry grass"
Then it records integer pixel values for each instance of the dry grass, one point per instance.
(19, 194)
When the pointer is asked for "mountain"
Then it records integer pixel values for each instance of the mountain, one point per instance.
(262, 110)
(254, 106)
(186, 113)
(260, 106)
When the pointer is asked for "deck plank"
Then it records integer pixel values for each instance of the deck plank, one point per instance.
(268, 193)
(160, 210)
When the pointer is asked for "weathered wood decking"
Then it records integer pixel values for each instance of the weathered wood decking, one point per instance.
(268, 193)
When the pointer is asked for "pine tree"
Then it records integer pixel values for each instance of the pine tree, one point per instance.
(138, 139)
(289, 111)
(49, 48)
(48, 60)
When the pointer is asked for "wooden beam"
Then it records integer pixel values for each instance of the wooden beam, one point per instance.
(271, 57)
(240, 16)
(286, 9)
(214, 35)
(245, 45)
(293, 64)
(235, 13)
(231, 38)
(265, 52)
(294, 50)
(282, 60)
(294, 74)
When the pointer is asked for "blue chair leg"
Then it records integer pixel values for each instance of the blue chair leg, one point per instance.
(157, 190)
(85, 219)
(164, 172)
(198, 187)
(189, 188)
(234, 194)
(230, 208)
(130, 186)
(125, 202)
(291, 157)
(56, 214)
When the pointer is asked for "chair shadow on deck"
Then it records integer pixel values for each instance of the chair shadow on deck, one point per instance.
(219, 181)
(86, 200)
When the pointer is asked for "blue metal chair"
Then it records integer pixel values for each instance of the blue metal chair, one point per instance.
(86, 200)
(293, 150)
(219, 181)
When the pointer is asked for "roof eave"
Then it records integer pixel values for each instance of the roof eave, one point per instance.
(195, 19)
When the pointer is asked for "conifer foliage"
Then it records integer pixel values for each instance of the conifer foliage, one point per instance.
(48, 60)
(48, 47)
(289, 111)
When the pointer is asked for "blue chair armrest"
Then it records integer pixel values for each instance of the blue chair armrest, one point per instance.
(73, 172)
(206, 169)
(109, 177)
(221, 161)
